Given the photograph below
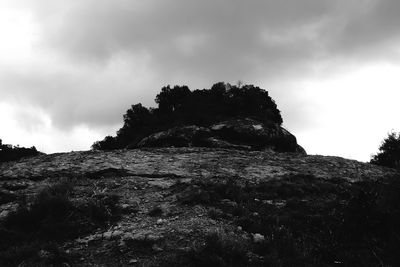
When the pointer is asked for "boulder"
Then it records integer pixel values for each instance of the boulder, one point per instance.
(255, 134)
(238, 133)
(185, 136)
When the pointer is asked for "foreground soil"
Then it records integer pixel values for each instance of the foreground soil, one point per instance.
(173, 200)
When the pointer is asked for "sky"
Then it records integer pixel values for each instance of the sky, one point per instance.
(69, 70)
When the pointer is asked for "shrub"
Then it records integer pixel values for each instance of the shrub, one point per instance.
(389, 152)
(9, 152)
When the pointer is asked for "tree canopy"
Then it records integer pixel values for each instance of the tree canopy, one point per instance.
(179, 105)
(389, 152)
(10, 152)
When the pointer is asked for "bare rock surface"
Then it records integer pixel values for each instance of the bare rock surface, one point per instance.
(165, 209)
(170, 163)
(237, 133)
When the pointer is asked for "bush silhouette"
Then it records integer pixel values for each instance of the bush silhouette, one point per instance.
(179, 106)
(9, 152)
(389, 152)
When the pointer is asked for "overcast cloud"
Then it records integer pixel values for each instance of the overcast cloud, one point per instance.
(78, 66)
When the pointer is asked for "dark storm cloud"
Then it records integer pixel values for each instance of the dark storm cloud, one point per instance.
(369, 32)
(217, 38)
(211, 35)
(191, 42)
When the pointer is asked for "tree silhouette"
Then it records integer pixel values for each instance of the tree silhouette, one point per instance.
(9, 152)
(389, 152)
(170, 100)
(179, 106)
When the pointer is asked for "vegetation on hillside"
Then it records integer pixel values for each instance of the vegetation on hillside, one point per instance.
(10, 152)
(179, 106)
(198, 207)
(389, 152)
(38, 227)
(299, 221)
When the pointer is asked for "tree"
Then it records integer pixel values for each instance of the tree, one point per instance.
(389, 152)
(108, 143)
(9, 152)
(170, 100)
(179, 106)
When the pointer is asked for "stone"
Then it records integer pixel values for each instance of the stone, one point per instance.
(258, 238)
(161, 221)
(133, 261)
(153, 237)
(4, 214)
(144, 236)
(139, 237)
(156, 248)
(131, 206)
(6, 209)
(237, 133)
(127, 237)
(246, 131)
(112, 234)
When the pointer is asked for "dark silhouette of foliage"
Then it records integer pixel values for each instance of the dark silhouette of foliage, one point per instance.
(179, 106)
(9, 152)
(389, 152)
(50, 218)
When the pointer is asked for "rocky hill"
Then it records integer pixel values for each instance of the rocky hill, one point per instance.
(224, 116)
(197, 207)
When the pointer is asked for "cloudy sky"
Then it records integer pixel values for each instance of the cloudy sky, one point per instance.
(70, 69)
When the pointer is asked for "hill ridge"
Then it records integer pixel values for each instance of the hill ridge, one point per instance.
(177, 159)
(195, 207)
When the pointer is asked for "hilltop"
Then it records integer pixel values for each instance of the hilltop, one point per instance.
(224, 116)
(196, 207)
(208, 178)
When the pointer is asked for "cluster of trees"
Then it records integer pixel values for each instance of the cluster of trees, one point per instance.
(179, 106)
(10, 152)
(389, 152)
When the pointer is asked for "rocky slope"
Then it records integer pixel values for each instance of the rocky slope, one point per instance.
(201, 206)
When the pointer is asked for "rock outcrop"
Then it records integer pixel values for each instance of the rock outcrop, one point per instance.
(202, 207)
(239, 133)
